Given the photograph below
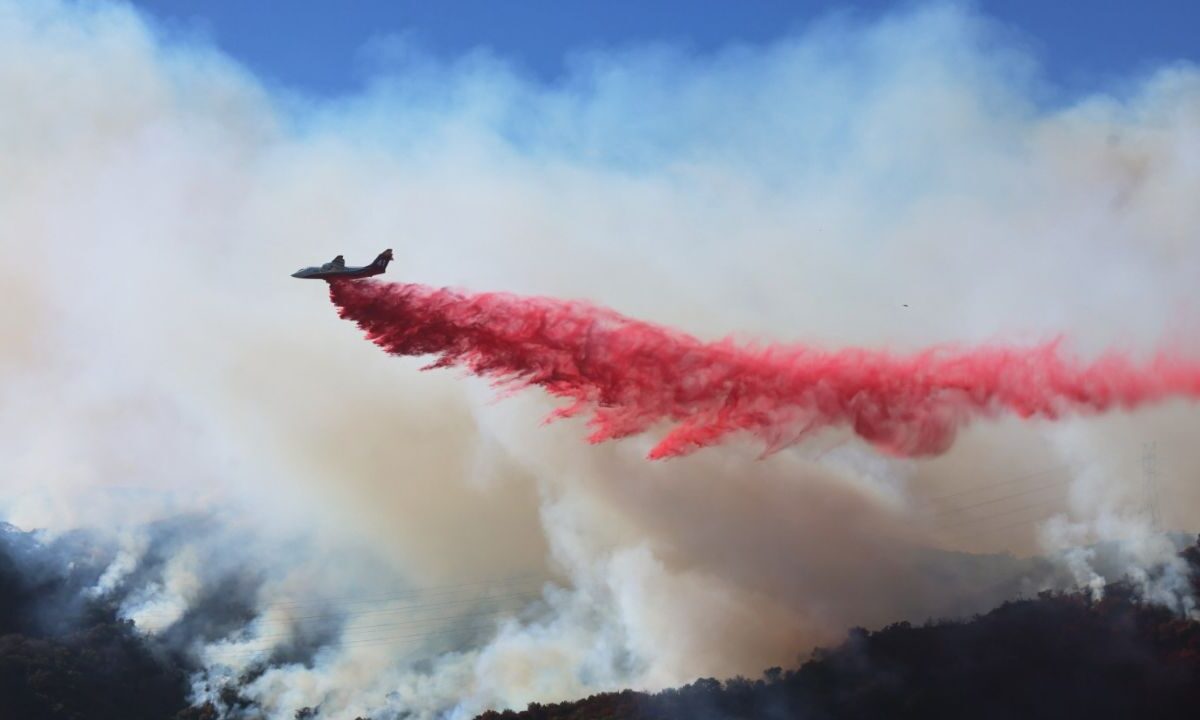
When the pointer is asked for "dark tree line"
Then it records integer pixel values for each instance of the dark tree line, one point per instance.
(1061, 655)
(64, 656)
(67, 656)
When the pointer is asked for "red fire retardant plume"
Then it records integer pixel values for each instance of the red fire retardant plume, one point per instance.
(631, 375)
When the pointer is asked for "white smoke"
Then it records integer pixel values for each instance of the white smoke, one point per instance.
(283, 491)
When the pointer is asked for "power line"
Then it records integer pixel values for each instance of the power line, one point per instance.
(409, 603)
(359, 642)
(412, 608)
(1019, 523)
(403, 623)
(975, 520)
(417, 592)
(381, 640)
(970, 524)
(409, 608)
(1019, 478)
(448, 596)
(1050, 486)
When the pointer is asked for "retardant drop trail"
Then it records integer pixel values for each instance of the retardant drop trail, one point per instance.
(631, 375)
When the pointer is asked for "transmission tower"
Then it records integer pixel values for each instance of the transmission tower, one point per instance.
(1150, 475)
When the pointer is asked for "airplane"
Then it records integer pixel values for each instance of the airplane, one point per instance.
(337, 270)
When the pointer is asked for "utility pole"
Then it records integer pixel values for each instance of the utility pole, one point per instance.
(1150, 475)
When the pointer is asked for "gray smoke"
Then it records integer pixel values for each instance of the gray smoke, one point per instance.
(321, 525)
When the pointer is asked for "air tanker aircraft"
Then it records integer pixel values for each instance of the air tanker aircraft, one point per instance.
(337, 270)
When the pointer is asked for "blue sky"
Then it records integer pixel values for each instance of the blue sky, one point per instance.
(318, 46)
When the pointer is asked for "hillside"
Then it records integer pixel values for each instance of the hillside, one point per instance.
(67, 656)
(1055, 656)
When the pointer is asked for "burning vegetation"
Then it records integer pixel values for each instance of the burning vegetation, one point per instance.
(65, 653)
(1054, 656)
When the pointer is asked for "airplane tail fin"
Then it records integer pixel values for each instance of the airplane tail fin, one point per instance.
(383, 259)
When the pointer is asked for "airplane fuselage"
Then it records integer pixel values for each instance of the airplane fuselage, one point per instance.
(337, 269)
(350, 273)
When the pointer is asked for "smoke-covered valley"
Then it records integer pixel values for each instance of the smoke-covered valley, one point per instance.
(300, 517)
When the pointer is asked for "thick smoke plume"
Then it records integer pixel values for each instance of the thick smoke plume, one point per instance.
(1033, 658)
(634, 374)
(262, 479)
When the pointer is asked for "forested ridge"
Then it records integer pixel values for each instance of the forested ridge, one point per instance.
(66, 655)
(1059, 655)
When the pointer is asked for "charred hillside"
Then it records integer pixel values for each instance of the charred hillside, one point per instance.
(66, 656)
(1059, 655)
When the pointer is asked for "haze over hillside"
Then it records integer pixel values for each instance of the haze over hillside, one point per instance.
(206, 451)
